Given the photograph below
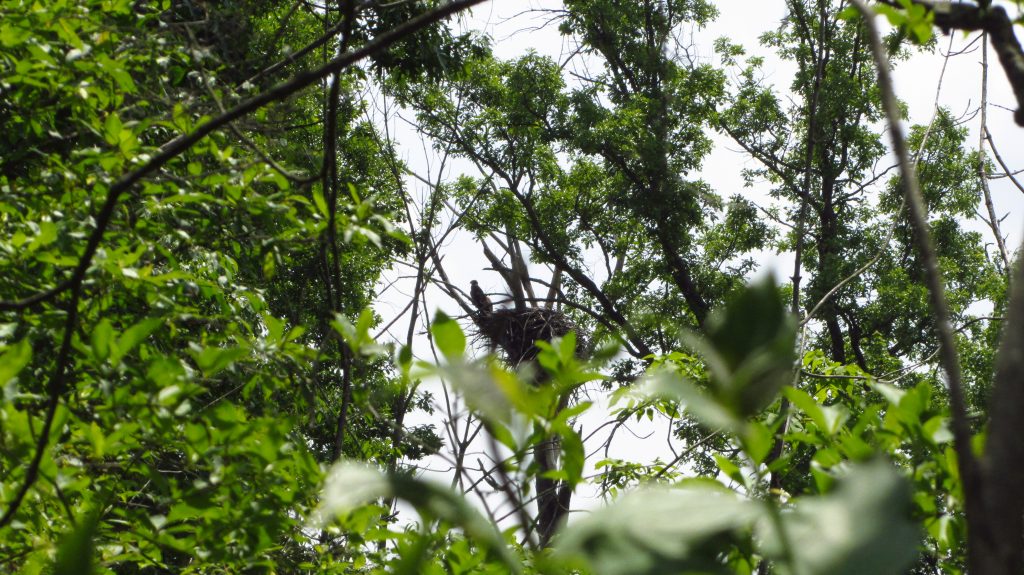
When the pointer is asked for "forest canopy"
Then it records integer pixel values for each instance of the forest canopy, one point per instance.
(243, 331)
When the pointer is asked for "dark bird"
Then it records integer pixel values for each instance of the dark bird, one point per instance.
(480, 299)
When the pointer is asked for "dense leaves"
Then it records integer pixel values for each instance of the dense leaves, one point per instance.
(196, 377)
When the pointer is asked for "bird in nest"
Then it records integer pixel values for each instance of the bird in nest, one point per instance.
(480, 299)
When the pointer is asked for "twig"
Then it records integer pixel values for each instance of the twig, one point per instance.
(1002, 164)
(684, 453)
(993, 220)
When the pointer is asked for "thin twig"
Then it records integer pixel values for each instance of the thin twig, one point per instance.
(993, 220)
(1002, 164)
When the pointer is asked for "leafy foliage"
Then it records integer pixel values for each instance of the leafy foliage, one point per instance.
(192, 373)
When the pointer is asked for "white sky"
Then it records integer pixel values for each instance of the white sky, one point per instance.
(516, 30)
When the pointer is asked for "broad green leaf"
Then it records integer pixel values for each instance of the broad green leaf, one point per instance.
(320, 202)
(749, 348)
(891, 393)
(12, 35)
(448, 337)
(659, 531)
(102, 337)
(730, 469)
(937, 430)
(133, 336)
(667, 385)
(404, 358)
(828, 419)
(112, 129)
(358, 336)
(490, 391)
(350, 485)
(47, 235)
(13, 360)
(269, 264)
(863, 526)
(214, 359)
(573, 455)
(758, 440)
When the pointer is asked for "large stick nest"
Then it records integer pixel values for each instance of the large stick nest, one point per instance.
(516, 332)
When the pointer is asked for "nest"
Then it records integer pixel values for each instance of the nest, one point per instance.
(516, 332)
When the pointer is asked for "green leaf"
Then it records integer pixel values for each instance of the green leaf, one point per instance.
(11, 35)
(660, 531)
(828, 419)
(573, 411)
(112, 129)
(14, 359)
(937, 431)
(320, 202)
(895, 17)
(269, 264)
(358, 336)
(730, 469)
(133, 336)
(214, 359)
(864, 526)
(405, 358)
(892, 394)
(805, 403)
(849, 13)
(448, 337)
(758, 440)
(75, 552)
(749, 348)
(47, 235)
(667, 385)
(490, 391)
(102, 336)
(574, 455)
(350, 485)
(567, 346)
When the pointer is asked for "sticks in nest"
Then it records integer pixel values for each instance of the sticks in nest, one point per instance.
(516, 332)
